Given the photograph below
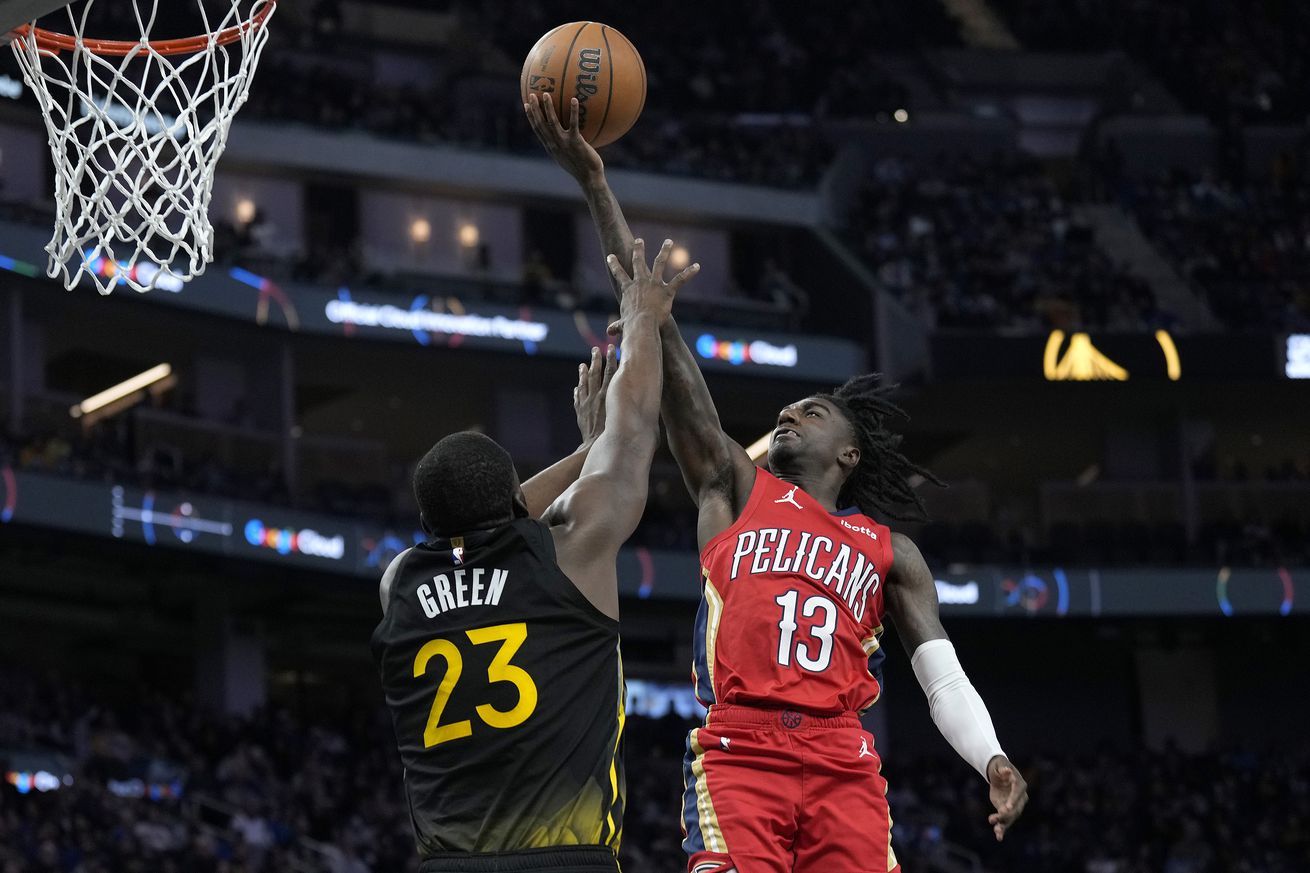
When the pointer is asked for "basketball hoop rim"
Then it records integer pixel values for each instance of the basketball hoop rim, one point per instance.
(54, 41)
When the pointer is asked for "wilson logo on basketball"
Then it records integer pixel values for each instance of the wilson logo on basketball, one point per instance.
(589, 65)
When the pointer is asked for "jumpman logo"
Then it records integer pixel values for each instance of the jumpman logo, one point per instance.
(864, 750)
(790, 497)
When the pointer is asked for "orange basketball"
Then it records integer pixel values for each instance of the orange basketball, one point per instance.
(596, 64)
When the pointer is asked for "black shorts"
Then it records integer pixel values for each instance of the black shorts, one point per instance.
(562, 859)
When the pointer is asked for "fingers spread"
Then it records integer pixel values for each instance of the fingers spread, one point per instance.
(639, 259)
(661, 259)
(533, 110)
(617, 271)
(684, 277)
(548, 110)
(537, 107)
(597, 372)
(573, 115)
(611, 364)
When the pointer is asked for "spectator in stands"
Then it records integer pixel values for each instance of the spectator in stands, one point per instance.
(1245, 247)
(990, 244)
(277, 791)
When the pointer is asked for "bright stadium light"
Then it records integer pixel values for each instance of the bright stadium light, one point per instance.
(1298, 356)
(901, 116)
(679, 257)
(468, 235)
(420, 230)
(122, 390)
(245, 210)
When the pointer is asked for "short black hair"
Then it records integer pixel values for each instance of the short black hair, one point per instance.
(465, 482)
(880, 483)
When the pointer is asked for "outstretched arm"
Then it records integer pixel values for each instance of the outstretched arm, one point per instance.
(594, 517)
(545, 488)
(957, 710)
(717, 471)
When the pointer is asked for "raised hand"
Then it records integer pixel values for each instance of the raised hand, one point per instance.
(565, 145)
(645, 291)
(589, 395)
(1009, 794)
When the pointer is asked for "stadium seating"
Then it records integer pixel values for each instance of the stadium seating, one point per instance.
(153, 783)
(970, 244)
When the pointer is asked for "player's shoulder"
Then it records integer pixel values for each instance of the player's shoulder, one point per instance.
(908, 564)
(903, 542)
(389, 577)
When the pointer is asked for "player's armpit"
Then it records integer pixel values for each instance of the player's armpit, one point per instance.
(912, 596)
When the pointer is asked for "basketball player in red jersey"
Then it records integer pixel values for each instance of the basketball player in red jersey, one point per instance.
(796, 580)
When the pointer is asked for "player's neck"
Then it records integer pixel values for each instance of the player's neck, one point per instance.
(813, 484)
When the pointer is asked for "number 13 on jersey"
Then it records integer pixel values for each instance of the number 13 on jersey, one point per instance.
(787, 627)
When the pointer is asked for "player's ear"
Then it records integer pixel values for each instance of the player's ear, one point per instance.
(849, 458)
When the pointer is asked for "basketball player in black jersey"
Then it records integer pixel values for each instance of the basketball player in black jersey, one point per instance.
(499, 645)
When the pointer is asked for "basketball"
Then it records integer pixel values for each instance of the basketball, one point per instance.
(596, 64)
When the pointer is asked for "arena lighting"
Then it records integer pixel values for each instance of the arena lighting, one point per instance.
(679, 257)
(901, 116)
(246, 210)
(122, 390)
(1172, 364)
(1298, 356)
(468, 235)
(1083, 362)
(420, 230)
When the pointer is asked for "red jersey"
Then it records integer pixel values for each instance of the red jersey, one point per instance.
(791, 605)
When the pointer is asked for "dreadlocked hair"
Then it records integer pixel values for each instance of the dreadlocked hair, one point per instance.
(880, 483)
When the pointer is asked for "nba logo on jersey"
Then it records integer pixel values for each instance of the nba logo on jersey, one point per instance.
(457, 550)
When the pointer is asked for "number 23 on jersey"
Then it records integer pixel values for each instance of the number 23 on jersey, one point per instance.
(510, 637)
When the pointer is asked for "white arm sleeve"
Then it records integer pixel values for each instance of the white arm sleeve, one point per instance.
(956, 708)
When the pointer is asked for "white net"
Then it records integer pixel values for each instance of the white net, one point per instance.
(136, 128)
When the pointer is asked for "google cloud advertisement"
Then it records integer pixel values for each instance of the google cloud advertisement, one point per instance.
(350, 547)
(456, 318)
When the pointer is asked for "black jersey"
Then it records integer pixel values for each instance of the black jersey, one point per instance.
(505, 685)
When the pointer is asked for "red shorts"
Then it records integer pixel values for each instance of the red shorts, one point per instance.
(774, 791)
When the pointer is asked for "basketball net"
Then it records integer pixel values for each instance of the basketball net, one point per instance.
(136, 128)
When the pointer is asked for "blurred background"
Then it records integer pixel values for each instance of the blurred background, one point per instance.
(1076, 233)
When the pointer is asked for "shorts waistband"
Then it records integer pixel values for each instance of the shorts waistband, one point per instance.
(565, 859)
(787, 719)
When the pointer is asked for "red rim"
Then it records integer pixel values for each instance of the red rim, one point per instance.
(54, 41)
